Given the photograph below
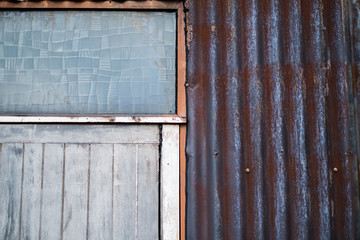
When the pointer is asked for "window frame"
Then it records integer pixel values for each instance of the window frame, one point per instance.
(175, 6)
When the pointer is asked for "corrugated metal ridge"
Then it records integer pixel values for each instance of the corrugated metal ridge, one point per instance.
(271, 144)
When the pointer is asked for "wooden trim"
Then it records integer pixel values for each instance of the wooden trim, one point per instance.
(94, 5)
(182, 181)
(99, 119)
(169, 187)
(181, 64)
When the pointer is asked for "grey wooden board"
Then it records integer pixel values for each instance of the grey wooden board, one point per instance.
(63, 183)
(76, 191)
(148, 192)
(10, 190)
(124, 212)
(31, 194)
(100, 196)
(79, 133)
(50, 227)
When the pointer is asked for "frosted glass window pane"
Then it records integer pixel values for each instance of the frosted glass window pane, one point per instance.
(87, 62)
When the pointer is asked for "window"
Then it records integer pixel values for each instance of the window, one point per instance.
(124, 65)
(87, 62)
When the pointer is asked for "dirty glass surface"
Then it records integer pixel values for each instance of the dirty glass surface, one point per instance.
(87, 62)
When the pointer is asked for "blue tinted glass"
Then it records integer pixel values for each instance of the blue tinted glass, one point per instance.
(87, 62)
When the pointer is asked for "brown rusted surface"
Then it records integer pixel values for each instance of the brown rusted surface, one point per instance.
(181, 64)
(354, 42)
(273, 129)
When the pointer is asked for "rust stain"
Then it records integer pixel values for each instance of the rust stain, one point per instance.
(270, 115)
(136, 119)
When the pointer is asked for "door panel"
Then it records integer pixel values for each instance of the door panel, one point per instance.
(79, 181)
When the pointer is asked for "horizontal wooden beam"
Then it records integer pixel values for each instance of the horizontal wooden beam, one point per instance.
(99, 119)
(160, 5)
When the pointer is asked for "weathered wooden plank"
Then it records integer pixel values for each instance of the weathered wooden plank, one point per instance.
(31, 193)
(51, 209)
(100, 194)
(170, 227)
(75, 191)
(124, 212)
(10, 189)
(136, 5)
(75, 133)
(148, 192)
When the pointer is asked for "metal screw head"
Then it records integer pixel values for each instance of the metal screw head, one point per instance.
(247, 170)
(336, 169)
(187, 84)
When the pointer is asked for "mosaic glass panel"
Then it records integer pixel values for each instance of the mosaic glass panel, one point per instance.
(87, 62)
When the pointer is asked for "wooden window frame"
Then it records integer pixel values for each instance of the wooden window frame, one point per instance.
(178, 118)
(166, 120)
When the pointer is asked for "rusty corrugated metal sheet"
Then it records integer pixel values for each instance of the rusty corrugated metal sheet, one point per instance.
(354, 56)
(273, 88)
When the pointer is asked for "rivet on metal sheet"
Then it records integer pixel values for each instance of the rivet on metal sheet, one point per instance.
(336, 169)
(247, 170)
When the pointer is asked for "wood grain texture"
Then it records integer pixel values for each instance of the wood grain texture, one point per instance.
(100, 194)
(80, 190)
(170, 215)
(124, 210)
(10, 189)
(148, 192)
(181, 66)
(51, 209)
(73, 133)
(31, 194)
(154, 4)
(75, 191)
